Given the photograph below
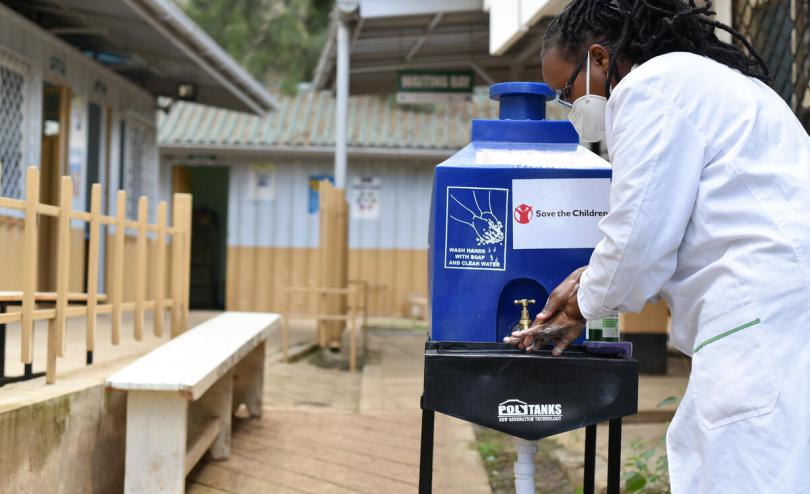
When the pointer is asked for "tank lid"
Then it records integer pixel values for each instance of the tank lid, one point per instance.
(522, 116)
(521, 100)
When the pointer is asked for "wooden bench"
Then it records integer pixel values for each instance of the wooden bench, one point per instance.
(182, 396)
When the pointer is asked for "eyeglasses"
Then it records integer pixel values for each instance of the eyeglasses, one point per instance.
(564, 94)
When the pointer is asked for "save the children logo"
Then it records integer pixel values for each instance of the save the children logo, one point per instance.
(558, 213)
(523, 214)
(515, 410)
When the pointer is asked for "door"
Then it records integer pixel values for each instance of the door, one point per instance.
(55, 128)
(209, 232)
(97, 143)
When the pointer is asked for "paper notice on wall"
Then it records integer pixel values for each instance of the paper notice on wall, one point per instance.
(314, 194)
(365, 198)
(77, 146)
(558, 213)
(263, 182)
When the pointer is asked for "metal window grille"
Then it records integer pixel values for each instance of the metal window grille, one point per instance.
(780, 32)
(141, 165)
(134, 180)
(11, 131)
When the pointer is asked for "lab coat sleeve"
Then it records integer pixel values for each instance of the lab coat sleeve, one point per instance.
(657, 156)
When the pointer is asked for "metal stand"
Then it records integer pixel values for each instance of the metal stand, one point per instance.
(614, 455)
(426, 452)
(590, 460)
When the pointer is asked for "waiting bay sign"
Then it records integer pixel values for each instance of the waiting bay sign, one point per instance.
(432, 86)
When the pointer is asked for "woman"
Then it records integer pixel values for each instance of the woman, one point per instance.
(710, 210)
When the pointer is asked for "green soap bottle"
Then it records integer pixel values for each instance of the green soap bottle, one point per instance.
(605, 329)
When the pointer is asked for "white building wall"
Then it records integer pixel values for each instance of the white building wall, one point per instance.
(47, 58)
(286, 222)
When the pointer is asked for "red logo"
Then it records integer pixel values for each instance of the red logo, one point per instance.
(523, 214)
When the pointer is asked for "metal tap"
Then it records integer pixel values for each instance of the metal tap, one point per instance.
(525, 319)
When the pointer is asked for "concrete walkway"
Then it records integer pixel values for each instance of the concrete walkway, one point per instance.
(328, 431)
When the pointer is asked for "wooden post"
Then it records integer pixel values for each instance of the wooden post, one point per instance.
(29, 263)
(140, 267)
(63, 261)
(327, 259)
(321, 326)
(342, 254)
(118, 264)
(353, 340)
(333, 256)
(187, 259)
(177, 265)
(53, 350)
(92, 265)
(159, 278)
(285, 338)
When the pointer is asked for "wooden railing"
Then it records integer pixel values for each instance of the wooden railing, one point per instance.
(179, 234)
(354, 311)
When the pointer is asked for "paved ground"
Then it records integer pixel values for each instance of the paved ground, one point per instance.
(328, 431)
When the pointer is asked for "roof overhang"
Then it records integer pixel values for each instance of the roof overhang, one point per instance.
(218, 152)
(425, 34)
(152, 43)
(512, 20)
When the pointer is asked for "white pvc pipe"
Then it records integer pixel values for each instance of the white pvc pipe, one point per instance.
(342, 103)
(524, 466)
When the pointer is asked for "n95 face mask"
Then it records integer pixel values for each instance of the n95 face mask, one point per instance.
(588, 112)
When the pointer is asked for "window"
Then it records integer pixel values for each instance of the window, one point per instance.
(140, 167)
(12, 85)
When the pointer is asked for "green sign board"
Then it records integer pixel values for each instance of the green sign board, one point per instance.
(435, 81)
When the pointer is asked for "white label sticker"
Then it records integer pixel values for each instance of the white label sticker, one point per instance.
(519, 411)
(558, 213)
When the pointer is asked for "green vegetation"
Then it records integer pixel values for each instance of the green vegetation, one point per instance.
(278, 41)
(645, 471)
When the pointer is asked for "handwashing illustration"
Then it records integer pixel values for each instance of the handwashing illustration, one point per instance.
(487, 227)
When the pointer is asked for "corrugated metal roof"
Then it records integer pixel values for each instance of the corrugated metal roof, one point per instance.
(307, 120)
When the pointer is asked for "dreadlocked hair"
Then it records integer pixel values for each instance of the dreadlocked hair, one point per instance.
(638, 30)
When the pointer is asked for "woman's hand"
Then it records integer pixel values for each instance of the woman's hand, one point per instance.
(560, 320)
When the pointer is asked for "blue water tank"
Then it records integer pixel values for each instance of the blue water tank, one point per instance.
(513, 213)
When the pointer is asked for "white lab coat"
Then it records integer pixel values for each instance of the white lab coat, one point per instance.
(710, 210)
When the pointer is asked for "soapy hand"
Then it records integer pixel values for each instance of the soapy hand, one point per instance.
(562, 329)
(560, 320)
(488, 228)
